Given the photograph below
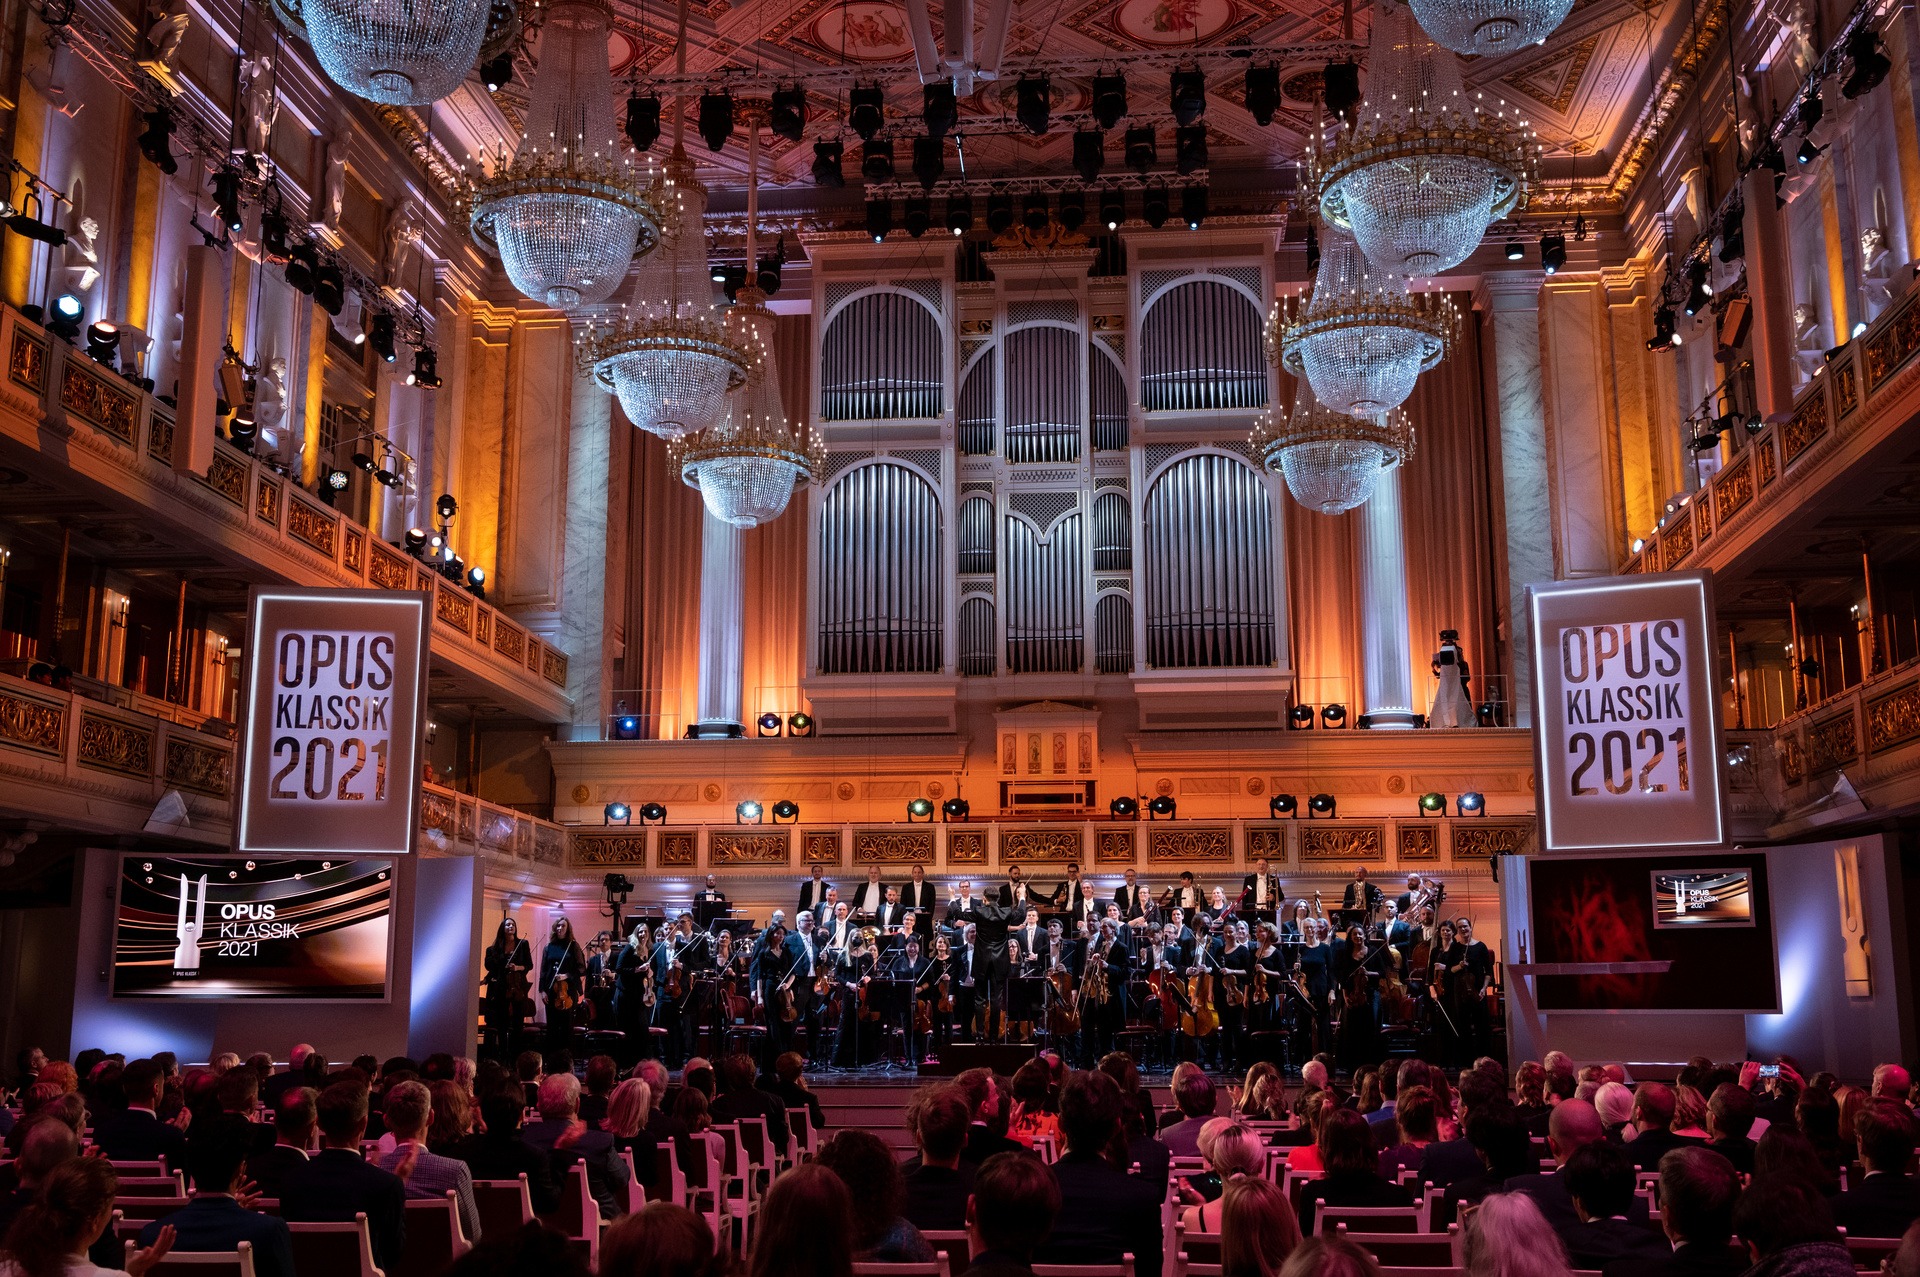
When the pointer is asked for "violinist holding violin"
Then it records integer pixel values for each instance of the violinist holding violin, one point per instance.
(856, 974)
(933, 989)
(776, 978)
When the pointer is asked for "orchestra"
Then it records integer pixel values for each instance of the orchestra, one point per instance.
(1215, 975)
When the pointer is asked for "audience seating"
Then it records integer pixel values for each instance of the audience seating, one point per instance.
(434, 1237)
(1370, 1219)
(1201, 1247)
(1122, 1269)
(1412, 1250)
(174, 1185)
(577, 1218)
(156, 1167)
(505, 1205)
(1450, 1271)
(953, 1243)
(204, 1263)
(334, 1250)
(937, 1268)
(1867, 1252)
(148, 1208)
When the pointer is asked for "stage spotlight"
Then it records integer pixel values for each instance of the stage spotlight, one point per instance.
(336, 481)
(786, 809)
(999, 213)
(876, 160)
(769, 723)
(1109, 99)
(1340, 88)
(1471, 803)
(64, 322)
(826, 164)
(497, 73)
(1033, 211)
(1808, 152)
(1870, 63)
(1699, 290)
(939, 110)
(624, 726)
(1486, 714)
(787, 114)
(1433, 804)
(1113, 208)
(1283, 805)
(1123, 808)
(653, 814)
(1071, 211)
(416, 540)
(747, 813)
(1193, 206)
(1733, 237)
(879, 218)
(242, 430)
(866, 110)
(1321, 805)
(1665, 335)
(1141, 152)
(477, 581)
(274, 230)
(643, 121)
(1515, 251)
(618, 814)
(1189, 149)
(103, 342)
(380, 335)
(1187, 96)
(1333, 715)
(330, 289)
(1300, 718)
(1161, 805)
(929, 160)
(1154, 206)
(920, 809)
(955, 809)
(1553, 253)
(918, 216)
(426, 369)
(302, 262)
(1089, 153)
(1263, 93)
(156, 143)
(959, 214)
(716, 119)
(800, 724)
(226, 199)
(1031, 103)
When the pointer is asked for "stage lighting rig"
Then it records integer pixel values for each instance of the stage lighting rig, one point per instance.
(955, 809)
(1283, 805)
(1123, 808)
(1321, 805)
(1161, 805)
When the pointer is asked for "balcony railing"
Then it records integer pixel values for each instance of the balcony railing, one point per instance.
(110, 420)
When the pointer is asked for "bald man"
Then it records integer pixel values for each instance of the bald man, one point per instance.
(1574, 1125)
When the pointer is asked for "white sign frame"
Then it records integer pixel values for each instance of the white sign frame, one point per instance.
(1608, 819)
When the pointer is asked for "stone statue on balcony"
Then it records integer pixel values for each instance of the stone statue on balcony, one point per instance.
(403, 232)
(1809, 348)
(163, 41)
(1801, 50)
(262, 104)
(82, 257)
(1876, 270)
(334, 192)
(270, 401)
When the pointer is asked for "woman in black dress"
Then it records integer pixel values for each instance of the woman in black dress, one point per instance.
(508, 959)
(1449, 961)
(563, 968)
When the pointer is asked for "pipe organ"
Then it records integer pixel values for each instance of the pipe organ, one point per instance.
(1074, 417)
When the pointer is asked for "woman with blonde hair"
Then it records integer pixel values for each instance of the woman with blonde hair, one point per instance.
(1507, 1236)
(1251, 1102)
(1690, 1113)
(1232, 1149)
(1329, 1257)
(1258, 1229)
(628, 1109)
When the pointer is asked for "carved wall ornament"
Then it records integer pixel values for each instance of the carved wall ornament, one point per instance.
(267, 503)
(32, 724)
(1478, 839)
(390, 571)
(710, 792)
(482, 626)
(1420, 841)
(315, 527)
(1805, 428)
(1113, 846)
(845, 791)
(677, 849)
(1769, 469)
(1892, 346)
(509, 640)
(610, 849)
(893, 847)
(936, 790)
(96, 402)
(1269, 841)
(1256, 786)
(820, 847)
(1832, 743)
(1342, 842)
(111, 745)
(549, 844)
(439, 812)
(581, 795)
(1396, 784)
(746, 848)
(553, 666)
(1039, 846)
(1733, 491)
(27, 362)
(452, 607)
(353, 551)
(1846, 388)
(1893, 718)
(206, 769)
(1163, 786)
(1165, 843)
(227, 478)
(966, 847)
(1676, 543)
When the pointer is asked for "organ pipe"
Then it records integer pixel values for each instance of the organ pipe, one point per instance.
(1043, 394)
(1044, 593)
(880, 360)
(1208, 542)
(880, 565)
(976, 535)
(1201, 348)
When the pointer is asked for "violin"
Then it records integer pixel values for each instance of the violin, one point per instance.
(1259, 981)
(1064, 1018)
(944, 1004)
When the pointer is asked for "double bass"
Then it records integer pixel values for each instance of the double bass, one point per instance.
(1063, 1018)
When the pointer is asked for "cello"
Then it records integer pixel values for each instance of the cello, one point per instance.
(1063, 1017)
(1200, 1019)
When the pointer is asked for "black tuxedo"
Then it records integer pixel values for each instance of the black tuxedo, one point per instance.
(1275, 892)
(810, 900)
(990, 964)
(919, 898)
(937, 1197)
(867, 897)
(1688, 1260)
(1132, 902)
(337, 1184)
(1361, 895)
(1881, 1205)
(136, 1135)
(1018, 903)
(887, 916)
(1602, 1241)
(1104, 1213)
(1649, 1147)
(1033, 944)
(1188, 900)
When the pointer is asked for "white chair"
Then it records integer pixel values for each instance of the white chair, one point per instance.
(434, 1236)
(1423, 1272)
(1122, 1269)
(505, 1205)
(237, 1262)
(953, 1244)
(160, 1185)
(1367, 1219)
(334, 1249)
(1200, 1247)
(156, 1167)
(146, 1208)
(937, 1268)
(577, 1218)
(1411, 1250)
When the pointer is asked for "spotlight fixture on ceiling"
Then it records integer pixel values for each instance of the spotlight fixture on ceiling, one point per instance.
(1113, 208)
(1155, 206)
(716, 119)
(1141, 152)
(920, 809)
(770, 268)
(786, 810)
(1515, 251)
(1071, 210)
(826, 164)
(653, 814)
(1263, 93)
(929, 160)
(787, 113)
(1470, 803)
(1189, 149)
(866, 110)
(1733, 236)
(643, 121)
(64, 321)
(156, 142)
(1808, 152)
(768, 724)
(1109, 99)
(955, 809)
(1869, 63)
(1699, 288)
(1031, 103)
(918, 215)
(1089, 153)
(380, 336)
(1283, 805)
(226, 199)
(330, 288)
(1033, 211)
(1162, 805)
(879, 218)
(1665, 335)
(747, 813)
(1193, 206)
(799, 723)
(999, 213)
(1340, 88)
(1123, 808)
(497, 72)
(416, 540)
(426, 369)
(302, 262)
(1321, 805)
(959, 214)
(939, 109)
(103, 342)
(1553, 252)
(1433, 803)
(1187, 96)
(876, 159)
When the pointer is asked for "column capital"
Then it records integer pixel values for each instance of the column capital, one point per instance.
(1629, 281)
(1508, 290)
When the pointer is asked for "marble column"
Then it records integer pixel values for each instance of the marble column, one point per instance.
(1583, 428)
(1386, 666)
(722, 633)
(1510, 344)
(588, 594)
(1770, 292)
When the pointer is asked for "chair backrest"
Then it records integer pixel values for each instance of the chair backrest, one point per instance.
(237, 1262)
(1201, 1248)
(1867, 1252)
(174, 1185)
(267, 1205)
(434, 1238)
(1122, 1269)
(1449, 1271)
(736, 1162)
(805, 1138)
(953, 1244)
(1367, 1219)
(578, 1215)
(505, 1205)
(122, 1167)
(333, 1249)
(755, 1142)
(1435, 1250)
(1187, 1268)
(1296, 1186)
(1047, 1147)
(938, 1267)
(146, 1208)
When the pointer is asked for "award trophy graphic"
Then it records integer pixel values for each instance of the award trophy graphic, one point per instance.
(186, 955)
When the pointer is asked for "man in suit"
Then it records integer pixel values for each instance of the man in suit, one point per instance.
(215, 1220)
(739, 1098)
(961, 953)
(565, 1140)
(1261, 891)
(498, 1153)
(1574, 1125)
(1893, 1082)
(867, 897)
(919, 897)
(1082, 906)
(1361, 895)
(991, 968)
(1104, 1213)
(1403, 903)
(839, 930)
(136, 1133)
(982, 1095)
(1884, 1202)
(888, 916)
(1600, 1179)
(1011, 1211)
(1187, 897)
(409, 1108)
(339, 1183)
(1698, 1189)
(1132, 903)
(296, 1075)
(1653, 1118)
(813, 891)
(710, 902)
(938, 1183)
(293, 1131)
(1016, 892)
(1446, 1162)
(1729, 1118)
(1193, 1094)
(1033, 937)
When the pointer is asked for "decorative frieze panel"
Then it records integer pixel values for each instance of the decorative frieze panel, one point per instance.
(610, 850)
(1269, 841)
(1832, 743)
(497, 831)
(439, 813)
(228, 478)
(966, 847)
(1477, 840)
(1846, 389)
(206, 769)
(1188, 843)
(111, 745)
(1113, 846)
(1039, 846)
(1676, 543)
(1891, 347)
(389, 570)
(747, 849)
(893, 846)
(1894, 718)
(820, 847)
(509, 640)
(549, 844)
(27, 362)
(1733, 491)
(1805, 428)
(97, 402)
(453, 607)
(353, 549)
(677, 849)
(31, 724)
(267, 502)
(313, 526)
(1343, 842)
(1419, 841)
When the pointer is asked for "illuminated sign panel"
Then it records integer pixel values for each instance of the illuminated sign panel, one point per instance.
(1626, 713)
(336, 692)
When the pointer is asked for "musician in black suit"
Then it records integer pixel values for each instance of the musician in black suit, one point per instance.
(1016, 893)
(340, 1183)
(1033, 936)
(991, 922)
(1404, 902)
(1262, 890)
(918, 896)
(1361, 895)
(889, 914)
(868, 896)
(1132, 900)
(1076, 894)
(813, 892)
(710, 902)
(1187, 897)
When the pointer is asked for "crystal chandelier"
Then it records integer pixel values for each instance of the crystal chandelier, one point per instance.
(1331, 461)
(1362, 339)
(1490, 26)
(669, 357)
(568, 213)
(1425, 166)
(400, 52)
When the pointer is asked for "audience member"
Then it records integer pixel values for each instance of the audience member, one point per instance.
(1010, 1214)
(1906, 1260)
(805, 1226)
(452, 1116)
(216, 1219)
(1785, 1151)
(531, 1249)
(293, 1124)
(53, 1234)
(938, 1182)
(1884, 1202)
(1698, 1189)
(566, 1139)
(1444, 1161)
(1104, 1212)
(337, 1182)
(1574, 1125)
(136, 1133)
(1232, 1148)
(881, 1235)
(1352, 1170)
(1729, 1118)
(1653, 1107)
(431, 1177)
(664, 1240)
(983, 1103)
(1418, 1119)
(1318, 1106)
(1033, 1116)
(1789, 1231)
(498, 1152)
(1507, 1236)
(1329, 1257)
(1257, 1228)
(1600, 1181)
(1893, 1082)
(46, 1144)
(1143, 1148)
(788, 1084)
(1504, 1149)
(1194, 1098)
(739, 1098)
